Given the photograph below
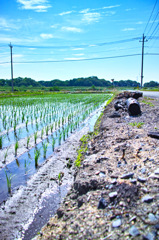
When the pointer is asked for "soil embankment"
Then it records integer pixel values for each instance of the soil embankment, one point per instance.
(116, 190)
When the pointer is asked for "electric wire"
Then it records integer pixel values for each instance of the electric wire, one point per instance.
(79, 46)
(82, 59)
(150, 16)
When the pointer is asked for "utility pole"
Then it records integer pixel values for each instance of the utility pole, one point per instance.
(10, 45)
(142, 61)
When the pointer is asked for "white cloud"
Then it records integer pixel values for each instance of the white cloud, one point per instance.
(85, 10)
(139, 23)
(74, 59)
(78, 54)
(77, 49)
(46, 36)
(65, 13)
(7, 24)
(36, 5)
(128, 29)
(91, 17)
(109, 7)
(71, 29)
(54, 26)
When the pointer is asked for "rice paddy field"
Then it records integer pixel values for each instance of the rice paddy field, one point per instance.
(32, 127)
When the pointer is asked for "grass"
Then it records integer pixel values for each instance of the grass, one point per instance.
(84, 140)
(148, 103)
(135, 124)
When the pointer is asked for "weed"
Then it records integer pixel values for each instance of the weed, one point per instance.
(135, 124)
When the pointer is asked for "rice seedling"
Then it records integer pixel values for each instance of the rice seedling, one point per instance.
(60, 176)
(9, 180)
(5, 156)
(45, 145)
(16, 148)
(28, 140)
(47, 130)
(53, 144)
(42, 133)
(60, 137)
(51, 127)
(1, 142)
(36, 157)
(35, 137)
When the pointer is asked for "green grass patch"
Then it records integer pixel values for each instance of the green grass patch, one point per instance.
(148, 103)
(83, 148)
(84, 140)
(135, 124)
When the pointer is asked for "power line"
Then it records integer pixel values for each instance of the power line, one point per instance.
(150, 15)
(154, 31)
(80, 46)
(83, 59)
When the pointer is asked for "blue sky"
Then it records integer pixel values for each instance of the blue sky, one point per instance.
(68, 39)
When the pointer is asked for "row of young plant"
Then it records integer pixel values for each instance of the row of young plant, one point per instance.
(20, 120)
(41, 151)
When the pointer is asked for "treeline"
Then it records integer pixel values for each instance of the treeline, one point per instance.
(86, 82)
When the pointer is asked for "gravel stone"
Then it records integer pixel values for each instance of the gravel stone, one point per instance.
(127, 175)
(134, 232)
(141, 179)
(102, 204)
(113, 194)
(117, 223)
(147, 199)
(156, 171)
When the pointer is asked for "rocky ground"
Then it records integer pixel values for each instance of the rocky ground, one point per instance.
(115, 194)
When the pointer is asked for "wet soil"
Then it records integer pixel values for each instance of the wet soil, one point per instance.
(115, 194)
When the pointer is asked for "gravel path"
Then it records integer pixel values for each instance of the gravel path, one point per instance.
(116, 191)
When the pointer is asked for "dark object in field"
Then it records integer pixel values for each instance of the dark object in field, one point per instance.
(115, 115)
(133, 107)
(135, 95)
(119, 104)
(153, 134)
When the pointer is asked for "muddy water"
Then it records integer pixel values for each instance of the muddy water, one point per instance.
(30, 207)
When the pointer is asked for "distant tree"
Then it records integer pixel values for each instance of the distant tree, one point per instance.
(151, 84)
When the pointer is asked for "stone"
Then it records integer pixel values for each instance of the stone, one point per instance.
(116, 223)
(102, 204)
(134, 232)
(60, 212)
(102, 174)
(147, 199)
(156, 171)
(152, 217)
(80, 201)
(157, 226)
(143, 170)
(133, 180)
(112, 195)
(127, 175)
(141, 179)
(149, 236)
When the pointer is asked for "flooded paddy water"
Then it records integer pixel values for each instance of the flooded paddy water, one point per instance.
(35, 192)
